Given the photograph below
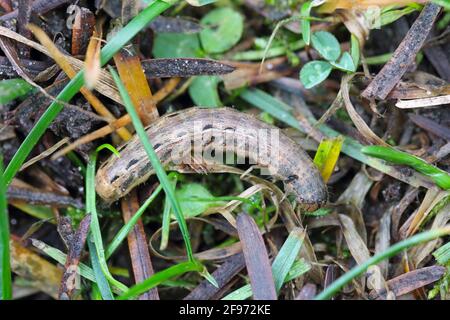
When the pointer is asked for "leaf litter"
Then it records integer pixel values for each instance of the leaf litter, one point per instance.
(288, 65)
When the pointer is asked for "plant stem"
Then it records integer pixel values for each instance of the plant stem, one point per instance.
(5, 266)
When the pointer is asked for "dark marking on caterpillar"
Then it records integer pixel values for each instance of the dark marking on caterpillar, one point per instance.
(132, 162)
(156, 146)
(208, 126)
(292, 178)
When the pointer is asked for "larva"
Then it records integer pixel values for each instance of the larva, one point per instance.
(201, 137)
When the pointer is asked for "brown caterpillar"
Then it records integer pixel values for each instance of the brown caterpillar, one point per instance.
(202, 136)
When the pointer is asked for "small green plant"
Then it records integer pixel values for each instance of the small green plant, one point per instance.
(326, 44)
(12, 89)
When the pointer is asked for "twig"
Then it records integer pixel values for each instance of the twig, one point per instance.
(137, 244)
(404, 56)
(38, 6)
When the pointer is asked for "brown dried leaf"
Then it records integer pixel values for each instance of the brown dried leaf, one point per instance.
(75, 242)
(359, 123)
(132, 74)
(256, 258)
(42, 274)
(184, 67)
(223, 275)
(410, 281)
(92, 61)
(82, 30)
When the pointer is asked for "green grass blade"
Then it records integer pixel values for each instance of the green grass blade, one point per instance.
(83, 270)
(337, 285)
(286, 257)
(442, 255)
(167, 212)
(5, 265)
(125, 230)
(271, 105)
(439, 176)
(100, 279)
(156, 164)
(160, 277)
(112, 47)
(96, 235)
(305, 11)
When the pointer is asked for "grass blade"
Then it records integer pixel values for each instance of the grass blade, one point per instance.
(337, 285)
(156, 164)
(83, 270)
(286, 257)
(99, 278)
(160, 277)
(305, 23)
(5, 266)
(96, 249)
(298, 268)
(123, 232)
(113, 46)
(442, 255)
(439, 176)
(271, 105)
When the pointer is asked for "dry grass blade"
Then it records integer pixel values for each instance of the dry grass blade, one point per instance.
(355, 243)
(432, 198)
(360, 252)
(41, 273)
(38, 6)
(82, 29)
(92, 60)
(66, 66)
(256, 259)
(431, 126)
(105, 86)
(75, 244)
(223, 274)
(421, 254)
(38, 197)
(410, 281)
(11, 54)
(45, 154)
(132, 74)
(119, 123)
(424, 102)
(383, 239)
(360, 124)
